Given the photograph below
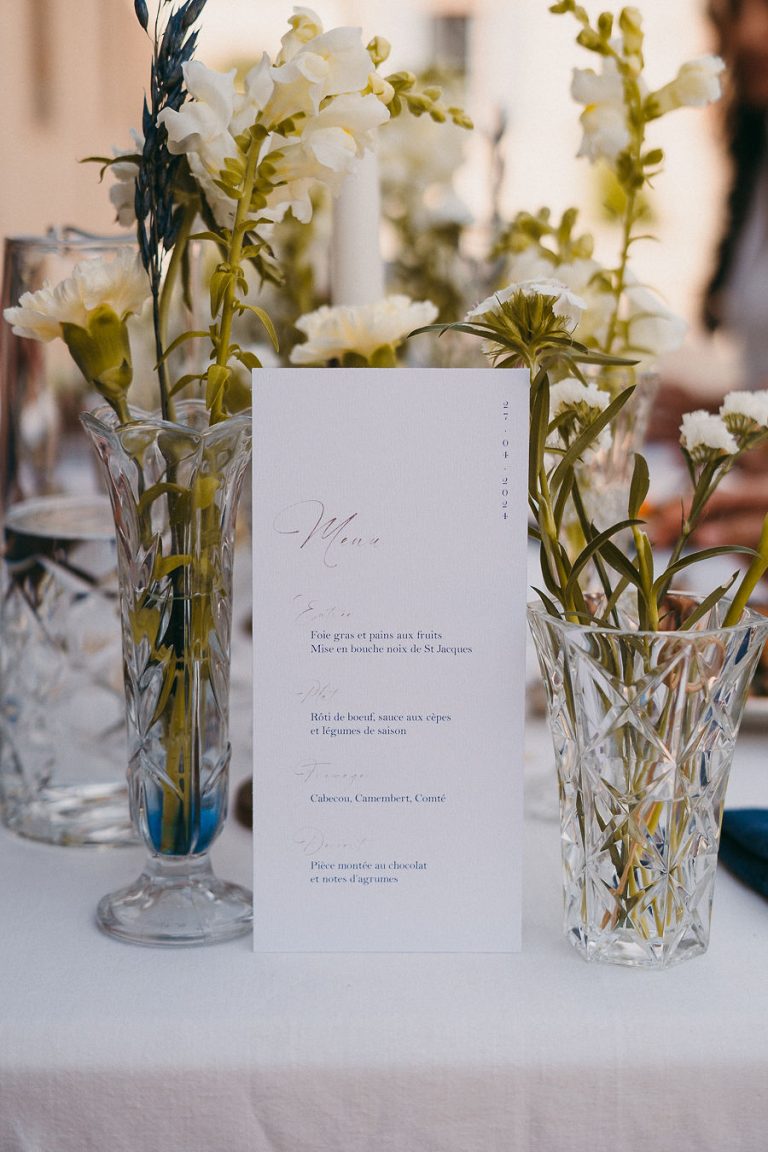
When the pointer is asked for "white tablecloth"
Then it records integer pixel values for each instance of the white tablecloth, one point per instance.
(106, 1047)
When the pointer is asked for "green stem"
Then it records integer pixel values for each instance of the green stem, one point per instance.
(754, 572)
(234, 254)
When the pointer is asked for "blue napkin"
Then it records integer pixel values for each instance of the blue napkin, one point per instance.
(744, 846)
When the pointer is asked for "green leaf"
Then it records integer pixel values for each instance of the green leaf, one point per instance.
(589, 435)
(550, 605)
(183, 381)
(210, 236)
(156, 491)
(707, 603)
(220, 282)
(620, 563)
(266, 321)
(192, 335)
(538, 432)
(248, 359)
(216, 378)
(694, 557)
(638, 489)
(594, 546)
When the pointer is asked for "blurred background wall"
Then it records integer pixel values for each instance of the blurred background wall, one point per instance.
(73, 75)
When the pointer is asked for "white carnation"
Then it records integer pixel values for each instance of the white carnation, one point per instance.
(585, 402)
(752, 405)
(570, 393)
(704, 432)
(120, 284)
(565, 304)
(361, 329)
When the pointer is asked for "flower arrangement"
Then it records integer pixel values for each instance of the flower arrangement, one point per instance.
(621, 315)
(219, 163)
(239, 159)
(570, 315)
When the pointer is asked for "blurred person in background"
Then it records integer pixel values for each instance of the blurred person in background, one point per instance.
(736, 297)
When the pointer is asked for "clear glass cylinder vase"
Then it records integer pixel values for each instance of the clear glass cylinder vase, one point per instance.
(644, 727)
(62, 718)
(174, 489)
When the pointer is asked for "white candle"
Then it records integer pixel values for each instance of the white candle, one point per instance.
(357, 272)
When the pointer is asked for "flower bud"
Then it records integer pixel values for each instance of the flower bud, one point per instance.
(379, 49)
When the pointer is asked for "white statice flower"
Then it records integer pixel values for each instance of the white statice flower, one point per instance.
(565, 304)
(360, 329)
(604, 118)
(739, 408)
(122, 194)
(697, 84)
(120, 284)
(703, 434)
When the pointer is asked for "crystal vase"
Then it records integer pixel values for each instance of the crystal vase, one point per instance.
(174, 489)
(644, 726)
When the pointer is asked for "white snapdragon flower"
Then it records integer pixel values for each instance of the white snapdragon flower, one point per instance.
(565, 304)
(697, 84)
(361, 329)
(249, 104)
(604, 118)
(652, 328)
(122, 194)
(415, 153)
(319, 80)
(325, 152)
(200, 129)
(703, 434)
(202, 123)
(305, 26)
(120, 284)
(746, 406)
(331, 64)
(605, 132)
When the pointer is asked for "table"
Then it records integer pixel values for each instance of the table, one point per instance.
(106, 1047)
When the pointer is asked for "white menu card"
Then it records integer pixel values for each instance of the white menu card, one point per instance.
(389, 586)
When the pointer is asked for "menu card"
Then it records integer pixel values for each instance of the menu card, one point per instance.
(389, 585)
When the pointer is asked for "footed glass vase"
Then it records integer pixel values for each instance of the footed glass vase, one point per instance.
(174, 489)
(644, 726)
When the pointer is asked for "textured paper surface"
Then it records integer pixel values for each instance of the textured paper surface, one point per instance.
(389, 590)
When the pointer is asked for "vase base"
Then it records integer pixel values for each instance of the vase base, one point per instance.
(72, 814)
(629, 950)
(177, 903)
